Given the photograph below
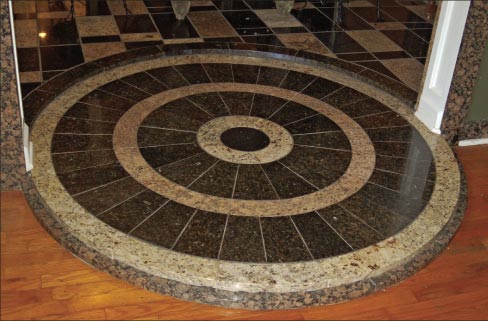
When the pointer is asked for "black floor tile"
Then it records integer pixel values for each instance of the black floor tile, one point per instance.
(243, 240)
(252, 184)
(139, 23)
(28, 59)
(61, 57)
(239, 103)
(314, 20)
(157, 156)
(58, 32)
(286, 183)
(218, 181)
(339, 42)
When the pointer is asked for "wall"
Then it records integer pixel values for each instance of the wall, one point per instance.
(455, 123)
(11, 150)
(479, 107)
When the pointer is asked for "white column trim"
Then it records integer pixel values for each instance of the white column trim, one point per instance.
(443, 57)
(27, 145)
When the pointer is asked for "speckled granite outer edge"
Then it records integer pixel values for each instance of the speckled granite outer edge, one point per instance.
(11, 153)
(254, 300)
(454, 126)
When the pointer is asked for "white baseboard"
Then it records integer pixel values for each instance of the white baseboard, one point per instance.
(471, 142)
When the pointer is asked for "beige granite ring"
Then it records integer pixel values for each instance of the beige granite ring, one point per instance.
(208, 138)
(357, 174)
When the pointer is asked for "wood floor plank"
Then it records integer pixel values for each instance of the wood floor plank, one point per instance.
(41, 280)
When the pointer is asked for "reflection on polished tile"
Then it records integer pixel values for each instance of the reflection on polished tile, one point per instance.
(314, 20)
(339, 42)
(169, 27)
(243, 19)
(61, 57)
(58, 31)
(409, 42)
(273, 18)
(303, 41)
(263, 39)
(133, 7)
(26, 33)
(135, 23)
(28, 59)
(348, 21)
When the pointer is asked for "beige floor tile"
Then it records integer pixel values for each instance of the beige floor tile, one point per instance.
(93, 51)
(96, 26)
(211, 24)
(275, 19)
(28, 6)
(182, 40)
(30, 76)
(303, 41)
(388, 25)
(26, 33)
(373, 40)
(408, 70)
(146, 36)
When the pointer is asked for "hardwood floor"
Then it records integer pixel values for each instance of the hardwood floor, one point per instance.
(41, 280)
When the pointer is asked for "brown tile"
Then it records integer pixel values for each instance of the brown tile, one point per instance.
(373, 41)
(408, 70)
(420, 11)
(26, 33)
(28, 6)
(273, 18)
(30, 76)
(134, 6)
(388, 25)
(145, 36)
(303, 41)
(211, 24)
(358, 3)
(93, 51)
(97, 26)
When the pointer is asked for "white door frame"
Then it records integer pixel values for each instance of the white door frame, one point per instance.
(445, 49)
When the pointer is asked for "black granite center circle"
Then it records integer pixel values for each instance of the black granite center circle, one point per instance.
(245, 139)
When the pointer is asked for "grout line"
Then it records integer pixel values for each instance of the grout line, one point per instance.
(303, 178)
(199, 107)
(155, 146)
(262, 238)
(135, 195)
(316, 133)
(83, 151)
(301, 236)
(272, 186)
(320, 147)
(99, 186)
(84, 168)
(351, 214)
(175, 162)
(205, 172)
(135, 87)
(172, 129)
(333, 229)
(302, 119)
(223, 236)
(159, 81)
(81, 134)
(148, 217)
(235, 180)
(99, 106)
(184, 229)
(108, 92)
(92, 120)
(369, 115)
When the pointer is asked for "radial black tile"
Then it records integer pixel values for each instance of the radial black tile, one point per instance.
(211, 102)
(188, 168)
(384, 119)
(169, 77)
(321, 240)
(245, 73)
(64, 143)
(145, 82)
(333, 140)
(320, 88)
(291, 112)
(282, 240)
(363, 108)
(313, 124)
(68, 162)
(253, 184)
(296, 81)
(121, 89)
(105, 99)
(264, 105)
(238, 103)
(164, 226)
(219, 72)
(193, 73)
(158, 156)
(85, 111)
(243, 240)
(203, 235)
(84, 126)
(286, 183)
(157, 136)
(270, 76)
(344, 96)
(218, 181)
(171, 28)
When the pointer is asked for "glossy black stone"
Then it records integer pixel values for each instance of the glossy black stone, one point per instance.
(264, 105)
(339, 42)
(61, 57)
(92, 112)
(362, 56)
(254, 31)
(124, 90)
(402, 14)
(253, 184)
(286, 183)
(169, 77)
(334, 140)
(282, 240)
(271, 76)
(178, 114)
(63, 143)
(188, 167)
(313, 124)
(86, 179)
(409, 41)
(320, 88)
(219, 72)
(68, 162)
(385, 119)
(193, 73)
(296, 81)
(105, 99)
(379, 67)
(364, 107)
(141, 44)
(238, 103)
(84, 126)
(314, 20)
(245, 73)
(218, 180)
(243, 240)
(350, 21)
(145, 82)
(370, 14)
(203, 235)
(157, 136)
(344, 96)
(230, 5)
(28, 59)
(138, 23)
(291, 112)
(164, 227)
(357, 234)
(98, 39)
(321, 167)
(321, 240)
(58, 32)
(210, 102)
(158, 156)
(245, 139)
(103, 198)
(171, 28)
(280, 30)
(133, 211)
(262, 39)
(243, 19)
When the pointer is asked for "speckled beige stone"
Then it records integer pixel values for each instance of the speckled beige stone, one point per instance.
(232, 276)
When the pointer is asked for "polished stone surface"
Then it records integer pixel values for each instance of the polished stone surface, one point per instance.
(150, 160)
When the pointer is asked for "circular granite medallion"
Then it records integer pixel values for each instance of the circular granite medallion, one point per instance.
(246, 177)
